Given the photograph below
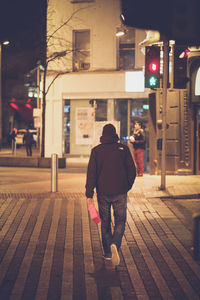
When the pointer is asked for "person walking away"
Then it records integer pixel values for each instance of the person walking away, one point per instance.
(111, 170)
(13, 140)
(28, 141)
(138, 142)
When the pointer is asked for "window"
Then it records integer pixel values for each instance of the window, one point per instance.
(81, 52)
(101, 110)
(126, 49)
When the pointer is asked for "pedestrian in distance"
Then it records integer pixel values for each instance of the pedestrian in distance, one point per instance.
(28, 141)
(111, 170)
(138, 142)
(13, 134)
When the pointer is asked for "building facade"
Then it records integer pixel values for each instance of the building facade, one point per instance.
(101, 75)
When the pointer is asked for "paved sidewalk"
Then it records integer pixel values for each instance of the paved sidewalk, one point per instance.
(50, 249)
(18, 179)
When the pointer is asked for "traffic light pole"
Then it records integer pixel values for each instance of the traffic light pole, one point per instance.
(164, 111)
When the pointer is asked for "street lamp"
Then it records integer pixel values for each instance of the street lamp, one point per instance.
(1, 43)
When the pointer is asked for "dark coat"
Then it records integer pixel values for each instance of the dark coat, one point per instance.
(28, 138)
(110, 169)
(140, 141)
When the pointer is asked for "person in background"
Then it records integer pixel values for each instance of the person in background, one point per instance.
(138, 141)
(28, 141)
(111, 170)
(13, 134)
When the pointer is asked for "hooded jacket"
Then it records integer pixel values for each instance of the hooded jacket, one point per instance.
(111, 169)
(139, 139)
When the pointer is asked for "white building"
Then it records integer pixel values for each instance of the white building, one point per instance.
(103, 76)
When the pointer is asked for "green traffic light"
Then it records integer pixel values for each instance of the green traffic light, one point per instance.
(153, 80)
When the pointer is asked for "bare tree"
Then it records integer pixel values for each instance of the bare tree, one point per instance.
(58, 56)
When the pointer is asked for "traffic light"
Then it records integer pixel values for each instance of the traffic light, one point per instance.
(180, 67)
(152, 67)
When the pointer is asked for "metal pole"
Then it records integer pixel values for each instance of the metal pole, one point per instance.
(128, 118)
(164, 109)
(54, 172)
(38, 98)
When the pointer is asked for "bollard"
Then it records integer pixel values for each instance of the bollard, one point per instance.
(14, 147)
(196, 219)
(54, 172)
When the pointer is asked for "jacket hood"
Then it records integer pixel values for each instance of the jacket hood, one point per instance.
(109, 134)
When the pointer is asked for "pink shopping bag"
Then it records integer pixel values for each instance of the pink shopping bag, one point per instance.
(94, 215)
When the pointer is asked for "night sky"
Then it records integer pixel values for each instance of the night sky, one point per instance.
(22, 22)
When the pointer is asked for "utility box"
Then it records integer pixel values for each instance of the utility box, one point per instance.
(179, 138)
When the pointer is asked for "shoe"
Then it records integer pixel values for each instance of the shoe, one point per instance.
(107, 256)
(115, 255)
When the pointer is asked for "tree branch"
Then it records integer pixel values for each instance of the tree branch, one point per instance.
(67, 21)
(57, 75)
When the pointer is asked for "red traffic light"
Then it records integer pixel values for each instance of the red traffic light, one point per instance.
(153, 67)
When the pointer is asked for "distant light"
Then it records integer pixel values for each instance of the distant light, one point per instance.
(28, 106)
(134, 81)
(122, 17)
(145, 106)
(120, 33)
(185, 53)
(15, 106)
(6, 43)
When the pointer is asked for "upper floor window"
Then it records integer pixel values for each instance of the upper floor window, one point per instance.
(81, 50)
(81, 1)
(126, 49)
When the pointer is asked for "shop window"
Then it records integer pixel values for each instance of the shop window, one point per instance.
(101, 110)
(81, 50)
(126, 49)
(66, 124)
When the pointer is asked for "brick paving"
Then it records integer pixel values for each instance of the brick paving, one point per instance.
(50, 249)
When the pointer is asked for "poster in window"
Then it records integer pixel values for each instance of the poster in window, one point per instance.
(84, 125)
